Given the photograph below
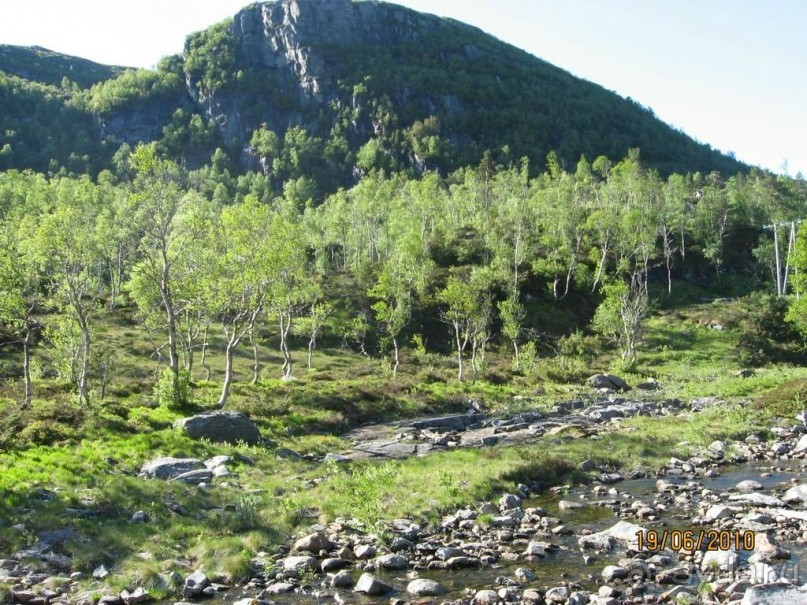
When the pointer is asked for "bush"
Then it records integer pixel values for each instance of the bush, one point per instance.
(766, 335)
(173, 398)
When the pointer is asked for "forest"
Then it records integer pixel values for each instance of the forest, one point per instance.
(475, 264)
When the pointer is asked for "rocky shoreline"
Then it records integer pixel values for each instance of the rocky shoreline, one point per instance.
(507, 542)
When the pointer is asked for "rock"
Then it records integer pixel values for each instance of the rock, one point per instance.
(532, 596)
(486, 597)
(400, 544)
(444, 553)
(749, 485)
(558, 594)
(313, 543)
(372, 586)
(343, 579)
(222, 426)
(524, 575)
(608, 592)
(587, 466)
(194, 584)
(717, 512)
(535, 549)
(391, 562)
(509, 501)
(453, 422)
(624, 532)
(332, 564)
(138, 595)
(775, 594)
(279, 588)
(100, 572)
(797, 493)
(578, 598)
(756, 499)
(766, 550)
(614, 572)
(673, 593)
(201, 475)
(607, 381)
(299, 563)
(364, 551)
(596, 542)
(801, 446)
(166, 467)
(723, 560)
(649, 385)
(462, 562)
(424, 588)
(140, 517)
(217, 461)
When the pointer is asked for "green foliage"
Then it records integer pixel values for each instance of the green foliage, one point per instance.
(766, 335)
(210, 57)
(171, 393)
(362, 492)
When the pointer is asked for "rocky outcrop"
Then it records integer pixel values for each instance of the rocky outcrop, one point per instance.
(166, 467)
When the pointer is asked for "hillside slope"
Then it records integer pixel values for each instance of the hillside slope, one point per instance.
(371, 84)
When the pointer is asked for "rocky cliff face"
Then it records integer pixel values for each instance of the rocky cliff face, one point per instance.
(290, 44)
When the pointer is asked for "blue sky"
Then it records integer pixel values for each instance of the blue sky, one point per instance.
(731, 73)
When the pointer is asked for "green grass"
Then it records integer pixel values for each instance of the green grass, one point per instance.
(89, 457)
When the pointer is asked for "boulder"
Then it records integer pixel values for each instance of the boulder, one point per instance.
(486, 597)
(608, 381)
(343, 579)
(444, 553)
(166, 467)
(424, 588)
(312, 543)
(749, 485)
(391, 562)
(299, 563)
(364, 551)
(797, 493)
(372, 586)
(801, 446)
(194, 584)
(614, 572)
(222, 426)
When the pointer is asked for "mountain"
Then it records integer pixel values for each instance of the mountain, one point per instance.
(326, 89)
(45, 66)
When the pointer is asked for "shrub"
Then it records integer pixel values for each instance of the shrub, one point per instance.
(173, 398)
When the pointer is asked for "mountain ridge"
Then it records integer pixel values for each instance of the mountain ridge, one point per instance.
(374, 85)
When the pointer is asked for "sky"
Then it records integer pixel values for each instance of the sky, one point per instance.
(731, 73)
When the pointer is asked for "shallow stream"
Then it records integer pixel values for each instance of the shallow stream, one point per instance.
(567, 565)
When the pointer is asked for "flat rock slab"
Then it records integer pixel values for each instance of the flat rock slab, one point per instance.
(756, 499)
(453, 422)
(167, 467)
(222, 426)
(388, 449)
